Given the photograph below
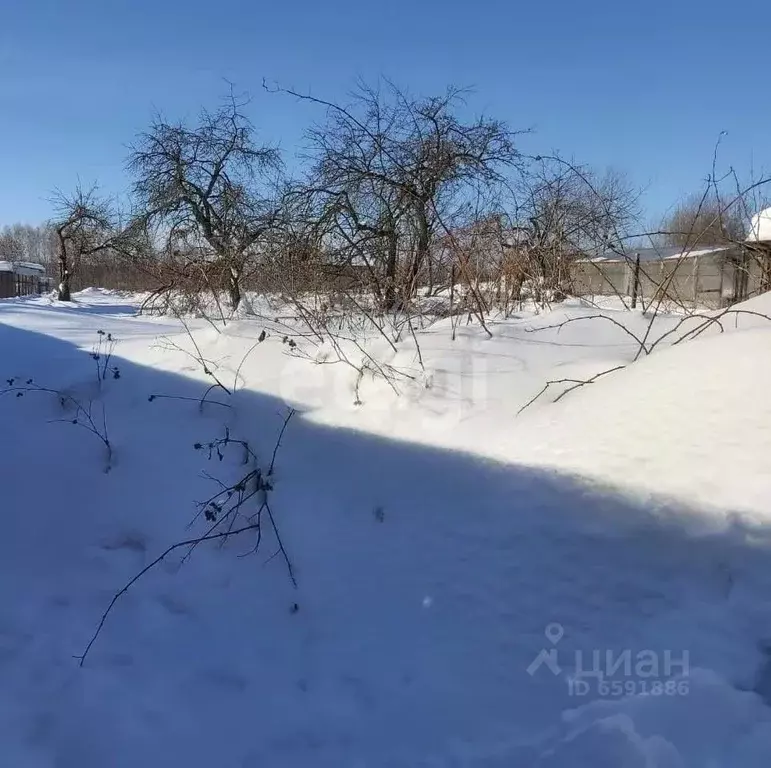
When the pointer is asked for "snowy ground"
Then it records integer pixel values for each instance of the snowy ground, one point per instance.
(441, 541)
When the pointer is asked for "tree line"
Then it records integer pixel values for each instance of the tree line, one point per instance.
(396, 195)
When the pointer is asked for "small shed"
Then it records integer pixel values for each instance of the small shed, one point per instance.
(22, 278)
(709, 276)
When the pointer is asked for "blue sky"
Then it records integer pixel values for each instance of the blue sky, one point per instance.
(643, 87)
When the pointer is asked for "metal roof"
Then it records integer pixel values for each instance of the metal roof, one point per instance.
(662, 253)
(22, 267)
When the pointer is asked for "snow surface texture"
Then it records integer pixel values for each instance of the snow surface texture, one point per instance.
(441, 543)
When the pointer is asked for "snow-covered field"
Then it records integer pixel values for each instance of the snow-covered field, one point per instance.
(583, 583)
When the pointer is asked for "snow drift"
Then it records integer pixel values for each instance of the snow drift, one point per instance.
(437, 539)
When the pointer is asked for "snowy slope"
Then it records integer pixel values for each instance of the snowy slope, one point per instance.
(692, 421)
(437, 539)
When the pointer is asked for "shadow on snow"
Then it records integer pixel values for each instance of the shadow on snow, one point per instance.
(426, 581)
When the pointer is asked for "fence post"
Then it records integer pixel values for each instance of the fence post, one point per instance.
(635, 280)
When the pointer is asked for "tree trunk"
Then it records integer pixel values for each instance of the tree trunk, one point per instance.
(421, 251)
(64, 279)
(234, 288)
(389, 302)
(636, 281)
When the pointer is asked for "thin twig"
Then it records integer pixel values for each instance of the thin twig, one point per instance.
(289, 415)
(198, 400)
(82, 657)
(575, 382)
(559, 326)
(281, 546)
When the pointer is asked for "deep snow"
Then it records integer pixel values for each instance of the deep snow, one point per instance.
(440, 541)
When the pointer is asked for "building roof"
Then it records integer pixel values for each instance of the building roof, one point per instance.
(760, 227)
(22, 267)
(31, 266)
(662, 253)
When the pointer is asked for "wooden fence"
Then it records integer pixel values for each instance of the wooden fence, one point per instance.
(12, 285)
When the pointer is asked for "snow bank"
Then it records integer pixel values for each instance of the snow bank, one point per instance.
(428, 575)
(693, 421)
(759, 304)
(720, 726)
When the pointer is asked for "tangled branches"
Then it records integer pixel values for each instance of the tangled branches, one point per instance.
(84, 415)
(235, 509)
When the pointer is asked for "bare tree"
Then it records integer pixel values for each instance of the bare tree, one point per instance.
(85, 225)
(210, 186)
(392, 172)
(701, 220)
(568, 211)
(11, 248)
(26, 242)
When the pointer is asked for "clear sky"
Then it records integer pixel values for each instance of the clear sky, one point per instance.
(645, 87)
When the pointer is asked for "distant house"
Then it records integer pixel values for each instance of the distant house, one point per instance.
(710, 276)
(22, 278)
